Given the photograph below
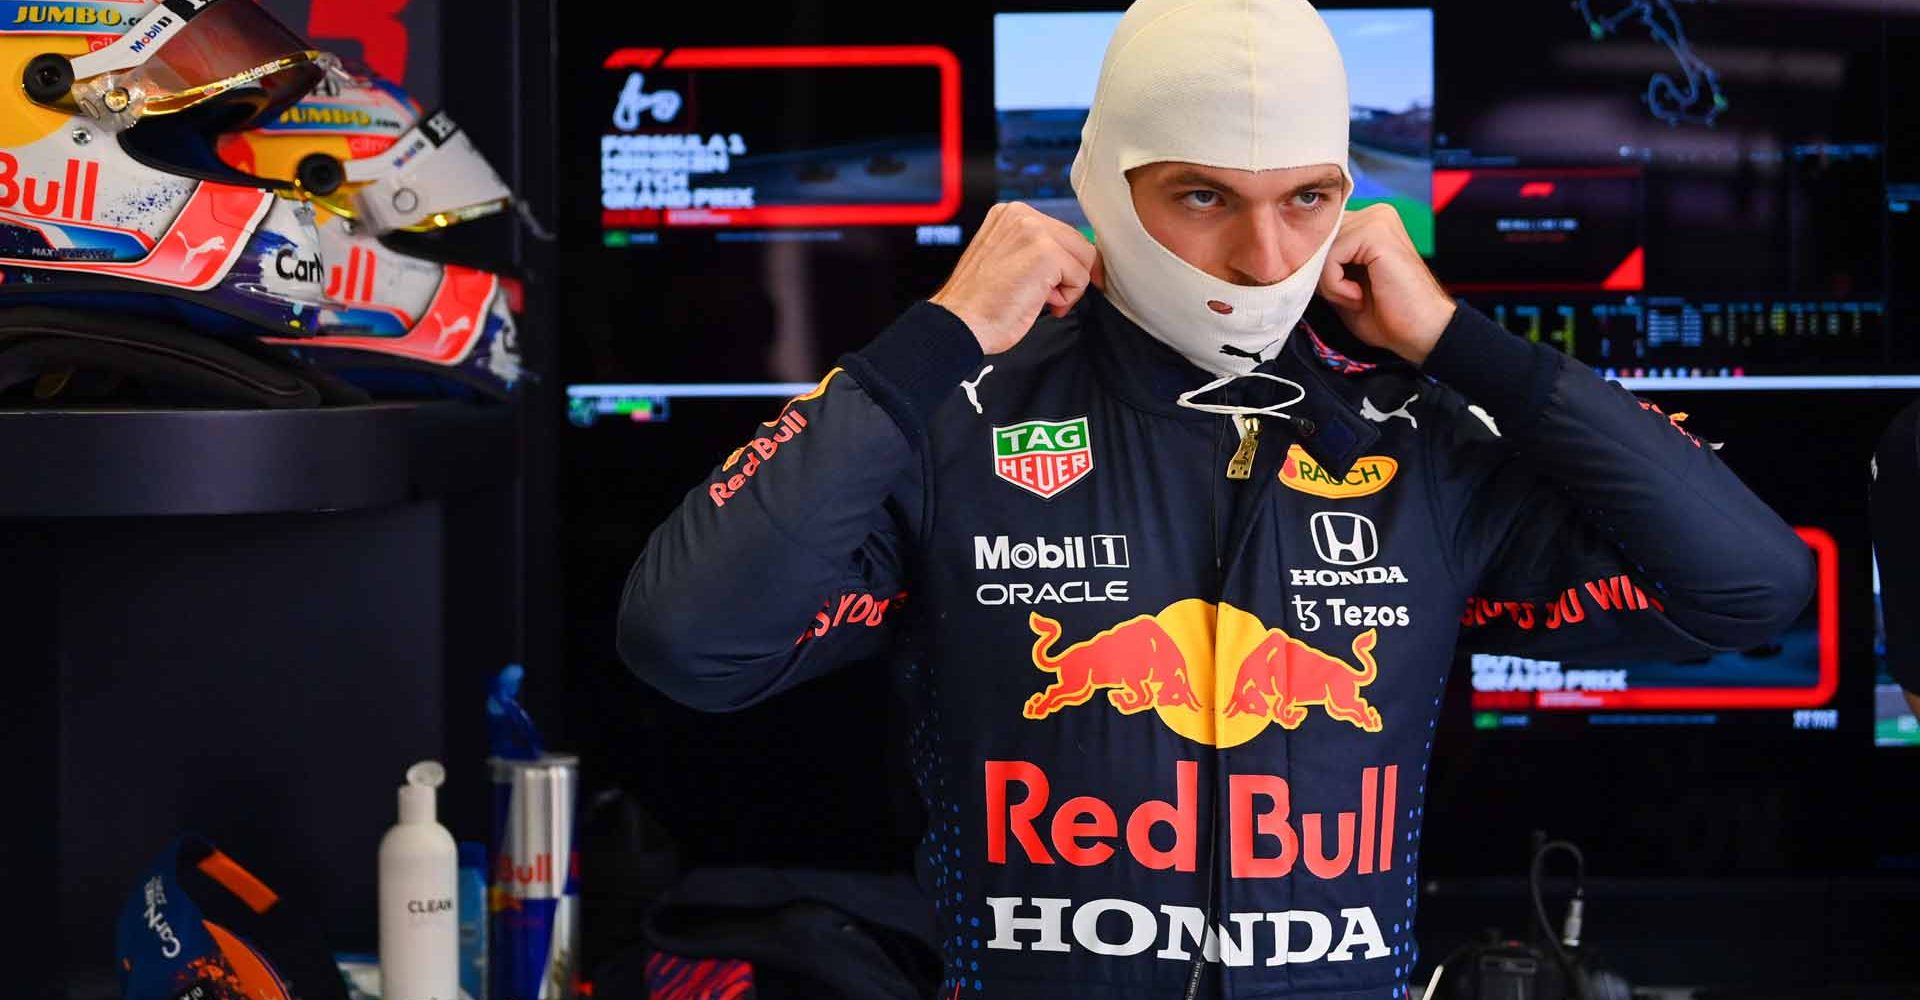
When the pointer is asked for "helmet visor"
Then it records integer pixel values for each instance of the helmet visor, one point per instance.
(182, 53)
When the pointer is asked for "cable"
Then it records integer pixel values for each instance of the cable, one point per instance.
(1433, 981)
(1574, 910)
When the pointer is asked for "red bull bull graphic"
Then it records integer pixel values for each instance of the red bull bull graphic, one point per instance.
(1212, 673)
(1137, 662)
(1283, 676)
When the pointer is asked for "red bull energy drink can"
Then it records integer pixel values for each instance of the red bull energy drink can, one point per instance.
(533, 891)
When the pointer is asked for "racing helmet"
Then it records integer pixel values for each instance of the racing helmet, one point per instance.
(199, 926)
(365, 150)
(390, 308)
(112, 195)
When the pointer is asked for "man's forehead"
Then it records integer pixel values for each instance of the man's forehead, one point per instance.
(1178, 172)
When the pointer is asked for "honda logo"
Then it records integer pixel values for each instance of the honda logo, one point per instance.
(1344, 539)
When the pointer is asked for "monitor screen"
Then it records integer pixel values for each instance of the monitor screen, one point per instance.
(1676, 191)
(1681, 195)
(1789, 682)
(1894, 721)
(755, 208)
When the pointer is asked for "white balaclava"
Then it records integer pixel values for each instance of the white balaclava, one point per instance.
(1240, 84)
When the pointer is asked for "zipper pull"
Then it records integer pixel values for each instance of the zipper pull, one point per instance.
(1241, 465)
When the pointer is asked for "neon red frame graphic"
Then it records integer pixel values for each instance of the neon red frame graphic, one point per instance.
(1630, 275)
(802, 56)
(1827, 558)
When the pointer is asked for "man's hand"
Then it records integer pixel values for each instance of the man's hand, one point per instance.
(1019, 262)
(1381, 289)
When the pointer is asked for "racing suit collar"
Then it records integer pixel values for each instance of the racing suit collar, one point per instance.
(1148, 375)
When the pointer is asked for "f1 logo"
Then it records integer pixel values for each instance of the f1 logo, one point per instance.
(1344, 539)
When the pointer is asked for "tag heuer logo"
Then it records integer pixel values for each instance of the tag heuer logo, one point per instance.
(1043, 456)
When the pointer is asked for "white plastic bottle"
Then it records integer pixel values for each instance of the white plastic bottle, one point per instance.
(419, 892)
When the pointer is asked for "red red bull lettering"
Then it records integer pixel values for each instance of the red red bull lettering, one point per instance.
(71, 198)
(354, 283)
(790, 424)
(1265, 842)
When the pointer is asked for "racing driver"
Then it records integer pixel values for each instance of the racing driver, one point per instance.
(1172, 583)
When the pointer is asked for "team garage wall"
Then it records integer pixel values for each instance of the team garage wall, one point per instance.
(399, 39)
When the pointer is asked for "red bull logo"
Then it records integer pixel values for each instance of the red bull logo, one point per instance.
(1337, 834)
(70, 197)
(1283, 676)
(1212, 673)
(788, 425)
(1269, 834)
(1136, 662)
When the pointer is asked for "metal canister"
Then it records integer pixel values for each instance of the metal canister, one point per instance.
(533, 895)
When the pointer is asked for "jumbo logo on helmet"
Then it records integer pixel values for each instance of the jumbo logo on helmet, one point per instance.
(67, 13)
(305, 115)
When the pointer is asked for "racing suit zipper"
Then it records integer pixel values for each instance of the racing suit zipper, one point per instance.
(1241, 465)
(1239, 468)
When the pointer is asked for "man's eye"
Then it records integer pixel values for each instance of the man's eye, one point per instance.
(1311, 198)
(1208, 198)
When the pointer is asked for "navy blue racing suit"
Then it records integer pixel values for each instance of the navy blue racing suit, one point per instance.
(1173, 711)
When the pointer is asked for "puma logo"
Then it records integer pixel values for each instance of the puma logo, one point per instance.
(972, 389)
(454, 329)
(213, 245)
(1369, 411)
(1254, 356)
(1485, 418)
